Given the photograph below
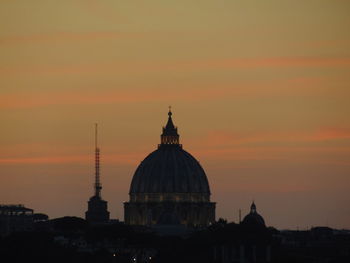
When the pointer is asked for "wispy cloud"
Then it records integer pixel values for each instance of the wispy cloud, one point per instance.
(61, 37)
(117, 159)
(326, 43)
(273, 62)
(216, 145)
(330, 133)
(325, 144)
(238, 153)
(306, 155)
(302, 86)
(227, 138)
(134, 66)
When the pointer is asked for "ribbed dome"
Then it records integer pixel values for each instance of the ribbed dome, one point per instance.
(169, 188)
(169, 169)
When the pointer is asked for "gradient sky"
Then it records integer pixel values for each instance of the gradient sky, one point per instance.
(260, 92)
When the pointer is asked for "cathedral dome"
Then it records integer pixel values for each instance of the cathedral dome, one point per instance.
(169, 169)
(169, 188)
(253, 218)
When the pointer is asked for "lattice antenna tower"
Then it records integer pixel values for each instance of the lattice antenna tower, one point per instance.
(98, 185)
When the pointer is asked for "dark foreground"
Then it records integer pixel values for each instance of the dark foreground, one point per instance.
(73, 240)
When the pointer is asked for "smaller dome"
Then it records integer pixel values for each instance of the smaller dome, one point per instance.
(253, 218)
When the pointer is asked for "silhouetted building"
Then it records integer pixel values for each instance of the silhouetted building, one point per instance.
(15, 218)
(40, 217)
(169, 187)
(250, 241)
(97, 207)
(253, 218)
(242, 247)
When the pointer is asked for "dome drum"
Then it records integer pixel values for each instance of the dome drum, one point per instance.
(189, 214)
(174, 197)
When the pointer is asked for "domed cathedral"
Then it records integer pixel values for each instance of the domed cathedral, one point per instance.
(253, 218)
(169, 187)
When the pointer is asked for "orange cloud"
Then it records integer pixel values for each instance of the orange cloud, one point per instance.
(30, 100)
(46, 160)
(204, 92)
(327, 43)
(119, 159)
(128, 67)
(216, 145)
(235, 153)
(226, 138)
(59, 37)
(274, 62)
(327, 134)
(223, 145)
(47, 153)
(274, 153)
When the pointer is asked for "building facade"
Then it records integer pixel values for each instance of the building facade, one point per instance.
(14, 218)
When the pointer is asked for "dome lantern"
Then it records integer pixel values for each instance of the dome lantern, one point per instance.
(253, 208)
(170, 135)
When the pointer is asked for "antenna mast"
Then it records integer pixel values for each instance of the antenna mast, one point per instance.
(98, 186)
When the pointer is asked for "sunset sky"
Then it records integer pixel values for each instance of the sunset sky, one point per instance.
(260, 92)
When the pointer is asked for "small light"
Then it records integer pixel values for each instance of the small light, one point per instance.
(113, 255)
